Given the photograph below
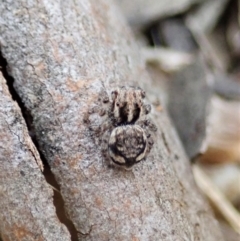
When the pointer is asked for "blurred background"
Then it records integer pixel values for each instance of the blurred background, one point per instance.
(192, 50)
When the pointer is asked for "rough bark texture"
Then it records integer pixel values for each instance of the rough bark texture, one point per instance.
(26, 203)
(61, 54)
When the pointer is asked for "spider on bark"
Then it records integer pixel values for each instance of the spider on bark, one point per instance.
(127, 134)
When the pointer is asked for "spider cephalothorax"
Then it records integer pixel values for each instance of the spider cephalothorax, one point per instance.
(127, 105)
(127, 133)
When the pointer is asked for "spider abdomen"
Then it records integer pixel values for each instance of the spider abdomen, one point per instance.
(127, 145)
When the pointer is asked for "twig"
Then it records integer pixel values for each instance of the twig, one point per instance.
(217, 198)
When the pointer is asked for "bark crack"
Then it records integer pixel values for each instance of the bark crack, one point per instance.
(49, 177)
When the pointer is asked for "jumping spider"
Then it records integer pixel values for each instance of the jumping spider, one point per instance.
(127, 133)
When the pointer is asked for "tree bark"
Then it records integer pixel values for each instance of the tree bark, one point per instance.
(62, 54)
(26, 204)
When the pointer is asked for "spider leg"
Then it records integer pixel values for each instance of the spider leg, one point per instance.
(147, 124)
(104, 146)
(103, 97)
(150, 129)
(146, 109)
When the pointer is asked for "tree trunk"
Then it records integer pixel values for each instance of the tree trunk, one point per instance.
(26, 204)
(62, 55)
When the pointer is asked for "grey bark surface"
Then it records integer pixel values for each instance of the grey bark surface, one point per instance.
(61, 55)
(26, 204)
